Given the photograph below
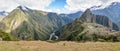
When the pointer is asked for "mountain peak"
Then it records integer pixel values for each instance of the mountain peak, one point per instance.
(87, 16)
(88, 11)
(115, 3)
(24, 8)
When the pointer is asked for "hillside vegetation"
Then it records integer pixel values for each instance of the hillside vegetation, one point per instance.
(5, 36)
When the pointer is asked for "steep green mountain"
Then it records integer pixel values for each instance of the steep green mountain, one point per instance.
(87, 29)
(25, 23)
(88, 17)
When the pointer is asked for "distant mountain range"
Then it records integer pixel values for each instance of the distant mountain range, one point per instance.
(75, 15)
(3, 14)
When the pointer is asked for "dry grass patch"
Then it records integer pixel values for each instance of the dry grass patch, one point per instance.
(58, 46)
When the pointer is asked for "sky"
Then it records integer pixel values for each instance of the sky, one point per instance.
(58, 6)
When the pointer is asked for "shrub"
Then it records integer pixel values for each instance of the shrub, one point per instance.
(5, 36)
(101, 40)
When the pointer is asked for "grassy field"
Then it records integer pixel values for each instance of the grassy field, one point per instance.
(58, 46)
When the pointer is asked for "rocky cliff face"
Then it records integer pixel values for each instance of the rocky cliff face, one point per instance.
(99, 19)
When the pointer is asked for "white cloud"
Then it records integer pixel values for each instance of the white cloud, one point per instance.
(71, 6)
(38, 4)
(76, 5)
(56, 10)
(34, 4)
(7, 5)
